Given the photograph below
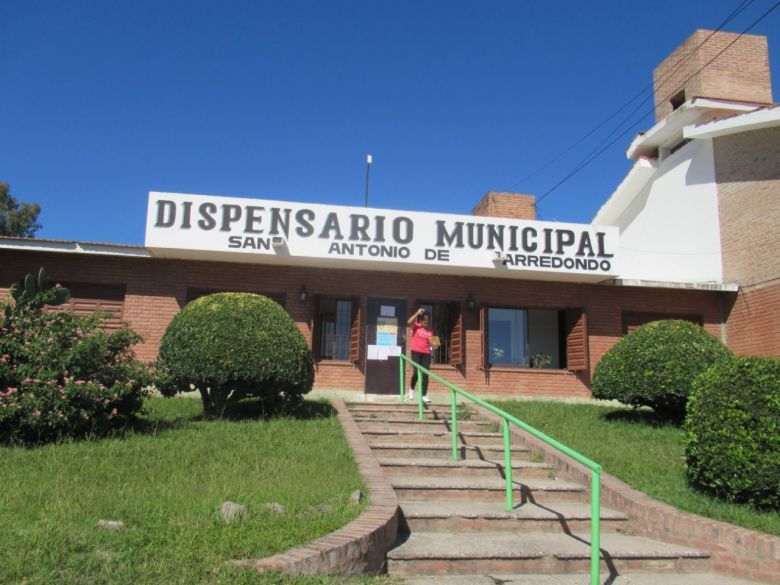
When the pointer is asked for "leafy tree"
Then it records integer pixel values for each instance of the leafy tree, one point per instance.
(17, 219)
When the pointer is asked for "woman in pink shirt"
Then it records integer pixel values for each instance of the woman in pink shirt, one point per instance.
(421, 349)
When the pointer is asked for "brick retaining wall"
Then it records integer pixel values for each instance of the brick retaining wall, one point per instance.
(735, 551)
(360, 546)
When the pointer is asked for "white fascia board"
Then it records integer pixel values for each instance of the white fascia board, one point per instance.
(711, 286)
(694, 111)
(69, 247)
(640, 174)
(756, 120)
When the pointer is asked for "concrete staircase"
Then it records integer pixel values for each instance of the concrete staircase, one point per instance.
(455, 529)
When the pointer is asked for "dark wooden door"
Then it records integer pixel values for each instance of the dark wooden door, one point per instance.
(385, 338)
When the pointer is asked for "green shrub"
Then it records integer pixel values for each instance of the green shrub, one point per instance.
(655, 366)
(62, 375)
(231, 346)
(732, 432)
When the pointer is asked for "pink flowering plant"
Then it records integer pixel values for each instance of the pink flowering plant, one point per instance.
(63, 375)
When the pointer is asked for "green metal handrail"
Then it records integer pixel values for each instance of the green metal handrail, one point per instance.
(595, 498)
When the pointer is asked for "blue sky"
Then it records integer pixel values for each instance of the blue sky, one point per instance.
(104, 101)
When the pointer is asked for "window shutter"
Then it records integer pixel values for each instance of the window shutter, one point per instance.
(86, 299)
(356, 348)
(316, 328)
(457, 337)
(483, 328)
(577, 356)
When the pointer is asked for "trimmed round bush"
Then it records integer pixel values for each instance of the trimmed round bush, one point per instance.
(732, 432)
(231, 346)
(655, 366)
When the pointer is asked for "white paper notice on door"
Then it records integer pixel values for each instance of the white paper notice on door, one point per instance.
(382, 351)
(394, 350)
(371, 352)
(387, 311)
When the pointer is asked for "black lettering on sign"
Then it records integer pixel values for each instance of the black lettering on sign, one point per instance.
(166, 213)
(331, 225)
(444, 238)
(254, 219)
(280, 222)
(359, 227)
(513, 238)
(565, 239)
(529, 239)
(185, 220)
(495, 237)
(602, 252)
(547, 240)
(304, 217)
(403, 230)
(379, 232)
(437, 255)
(230, 215)
(475, 235)
(585, 243)
(250, 242)
(207, 211)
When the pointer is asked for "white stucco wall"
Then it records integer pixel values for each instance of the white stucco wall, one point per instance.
(670, 231)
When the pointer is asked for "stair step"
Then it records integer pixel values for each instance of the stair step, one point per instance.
(571, 579)
(410, 415)
(444, 451)
(465, 468)
(454, 528)
(473, 516)
(406, 408)
(424, 553)
(456, 488)
(401, 423)
(425, 435)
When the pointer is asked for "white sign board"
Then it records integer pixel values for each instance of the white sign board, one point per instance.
(281, 232)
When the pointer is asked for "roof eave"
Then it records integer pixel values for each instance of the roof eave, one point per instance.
(73, 247)
(670, 129)
(750, 121)
(635, 180)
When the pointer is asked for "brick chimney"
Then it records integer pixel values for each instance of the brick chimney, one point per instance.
(511, 205)
(740, 74)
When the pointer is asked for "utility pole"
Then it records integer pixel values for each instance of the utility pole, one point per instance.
(369, 160)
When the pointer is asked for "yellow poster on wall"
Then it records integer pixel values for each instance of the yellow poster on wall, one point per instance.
(387, 330)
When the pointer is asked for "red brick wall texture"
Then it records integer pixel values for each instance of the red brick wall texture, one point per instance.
(502, 204)
(156, 289)
(740, 73)
(747, 170)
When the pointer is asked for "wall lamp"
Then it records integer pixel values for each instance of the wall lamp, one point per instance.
(471, 302)
(303, 294)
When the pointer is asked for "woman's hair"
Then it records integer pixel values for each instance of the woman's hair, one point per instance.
(423, 315)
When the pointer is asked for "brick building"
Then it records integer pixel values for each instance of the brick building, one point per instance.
(507, 293)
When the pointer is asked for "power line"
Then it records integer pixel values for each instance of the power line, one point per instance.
(663, 79)
(595, 153)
